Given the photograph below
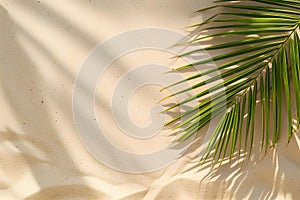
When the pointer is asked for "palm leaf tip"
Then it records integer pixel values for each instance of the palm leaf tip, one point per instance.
(268, 64)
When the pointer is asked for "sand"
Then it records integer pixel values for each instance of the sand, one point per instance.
(42, 47)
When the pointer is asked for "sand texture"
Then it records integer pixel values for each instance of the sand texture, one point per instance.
(42, 47)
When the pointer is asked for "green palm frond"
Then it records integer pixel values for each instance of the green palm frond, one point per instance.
(261, 39)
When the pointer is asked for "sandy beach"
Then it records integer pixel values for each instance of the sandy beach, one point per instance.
(43, 45)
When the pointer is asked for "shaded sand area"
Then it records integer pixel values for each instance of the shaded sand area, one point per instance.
(42, 47)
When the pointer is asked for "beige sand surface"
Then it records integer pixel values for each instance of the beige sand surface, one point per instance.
(42, 46)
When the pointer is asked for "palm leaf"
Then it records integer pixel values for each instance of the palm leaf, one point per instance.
(259, 71)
